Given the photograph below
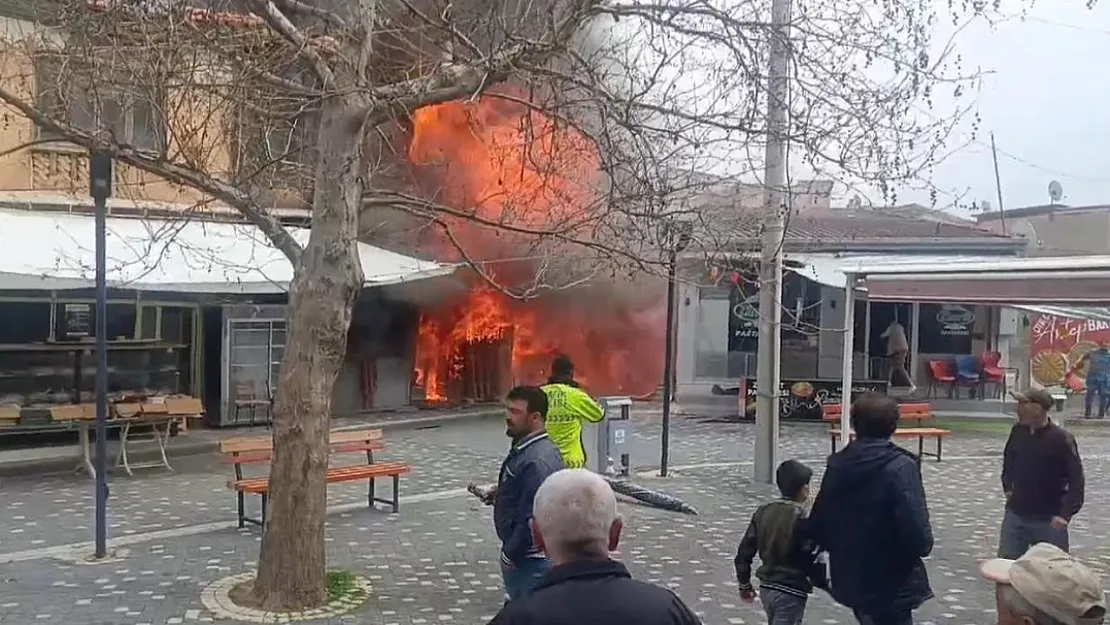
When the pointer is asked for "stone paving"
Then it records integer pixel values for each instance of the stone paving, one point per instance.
(435, 562)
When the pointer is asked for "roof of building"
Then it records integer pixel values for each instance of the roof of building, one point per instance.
(926, 213)
(857, 229)
(1037, 211)
(57, 251)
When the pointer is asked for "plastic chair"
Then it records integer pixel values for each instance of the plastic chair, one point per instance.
(994, 372)
(967, 373)
(940, 372)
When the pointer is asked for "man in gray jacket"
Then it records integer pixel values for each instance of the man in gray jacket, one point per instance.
(531, 459)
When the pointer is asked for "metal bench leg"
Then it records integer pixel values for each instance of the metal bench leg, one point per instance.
(122, 458)
(162, 440)
(396, 494)
(264, 500)
(920, 446)
(242, 508)
(832, 443)
(939, 439)
(370, 493)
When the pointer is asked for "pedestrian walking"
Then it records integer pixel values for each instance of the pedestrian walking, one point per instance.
(871, 517)
(789, 564)
(1046, 586)
(897, 348)
(1042, 478)
(568, 407)
(577, 525)
(531, 459)
(1098, 380)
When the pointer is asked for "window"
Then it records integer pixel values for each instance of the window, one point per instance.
(24, 322)
(946, 329)
(130, 118)
(712, 333)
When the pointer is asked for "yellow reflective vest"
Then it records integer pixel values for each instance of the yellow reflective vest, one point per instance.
(567, 407)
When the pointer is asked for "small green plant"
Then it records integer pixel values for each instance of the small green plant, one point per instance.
(340, 584)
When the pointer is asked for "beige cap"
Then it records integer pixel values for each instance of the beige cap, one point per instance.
(1053, 582)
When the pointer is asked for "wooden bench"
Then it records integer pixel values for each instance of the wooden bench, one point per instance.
(259, 449)
(919, 433)
(918, 413)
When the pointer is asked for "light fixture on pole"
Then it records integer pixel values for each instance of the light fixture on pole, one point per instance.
(100, 188)
(679, 235)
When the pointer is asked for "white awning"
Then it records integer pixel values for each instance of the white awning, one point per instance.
(830, 269)
(56, 251)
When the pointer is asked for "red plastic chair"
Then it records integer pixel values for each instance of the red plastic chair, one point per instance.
(940, 372)
(993, 372)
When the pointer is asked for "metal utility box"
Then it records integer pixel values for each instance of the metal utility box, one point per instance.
(608, 443)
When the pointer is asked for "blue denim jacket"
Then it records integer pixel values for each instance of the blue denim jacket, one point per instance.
(528, 464)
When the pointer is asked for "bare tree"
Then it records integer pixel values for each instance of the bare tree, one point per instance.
(619, 109)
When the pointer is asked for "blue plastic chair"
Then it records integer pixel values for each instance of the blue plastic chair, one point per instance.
(968, 372)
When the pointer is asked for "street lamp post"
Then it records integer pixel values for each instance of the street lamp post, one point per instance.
(680, 233)
(100, 187)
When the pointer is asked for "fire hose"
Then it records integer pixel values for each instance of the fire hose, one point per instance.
(653, 498)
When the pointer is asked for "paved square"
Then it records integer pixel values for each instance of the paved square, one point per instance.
(435, 562)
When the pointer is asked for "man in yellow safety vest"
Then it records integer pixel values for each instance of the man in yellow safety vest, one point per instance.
(567, 407)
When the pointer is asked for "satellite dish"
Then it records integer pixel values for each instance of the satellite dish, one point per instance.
(1055, 191)
(985, 206)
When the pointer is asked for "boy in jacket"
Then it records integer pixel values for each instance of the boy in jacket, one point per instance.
(790, 567)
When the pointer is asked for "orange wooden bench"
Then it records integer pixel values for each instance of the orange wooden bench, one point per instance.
(919, 433)
(240, 451)
(918, 413)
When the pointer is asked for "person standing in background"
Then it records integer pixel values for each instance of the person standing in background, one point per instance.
(531, 459)
(1098, 379)
(567, 407)
(1042, 477)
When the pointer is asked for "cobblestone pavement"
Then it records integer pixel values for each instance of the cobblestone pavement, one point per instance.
(435, 561)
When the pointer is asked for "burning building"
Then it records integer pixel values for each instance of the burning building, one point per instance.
(521, 191)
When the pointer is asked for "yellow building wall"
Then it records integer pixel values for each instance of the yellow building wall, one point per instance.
(195, 136)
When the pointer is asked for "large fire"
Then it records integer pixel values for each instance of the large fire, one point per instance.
(519, 175)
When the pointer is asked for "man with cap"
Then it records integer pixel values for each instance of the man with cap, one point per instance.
(1045, 586)
(1042, 477)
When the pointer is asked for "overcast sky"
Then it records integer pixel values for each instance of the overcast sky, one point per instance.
(1047, 100)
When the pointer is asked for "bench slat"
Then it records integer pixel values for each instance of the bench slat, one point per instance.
(335, 474)
(908, 432)
(266, 456)
(266, 443)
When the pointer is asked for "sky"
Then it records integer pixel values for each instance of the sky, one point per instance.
(1048, 103)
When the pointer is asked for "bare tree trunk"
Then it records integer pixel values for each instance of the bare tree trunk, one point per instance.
(292, 564)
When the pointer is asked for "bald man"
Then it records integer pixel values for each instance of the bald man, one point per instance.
(575, 522)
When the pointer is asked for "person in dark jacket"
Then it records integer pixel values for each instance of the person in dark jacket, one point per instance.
(530, 460)
(1042, 477)
(576, 523)
(789, 564)
(871, 517)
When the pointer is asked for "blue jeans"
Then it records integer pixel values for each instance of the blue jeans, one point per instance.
(782, 608)
(522, 580)
(1097, 386)
(1019, 534)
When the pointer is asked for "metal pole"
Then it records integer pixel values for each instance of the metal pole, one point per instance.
(100, 176)
(998, 186)
(770, 265)
(846, 371)
(668, 367)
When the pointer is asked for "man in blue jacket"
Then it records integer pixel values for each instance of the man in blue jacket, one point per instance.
(531, 459)
(871, 517)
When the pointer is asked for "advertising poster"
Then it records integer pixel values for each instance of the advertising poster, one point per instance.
(1059, 343)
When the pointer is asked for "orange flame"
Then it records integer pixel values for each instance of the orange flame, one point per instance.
(515, 169)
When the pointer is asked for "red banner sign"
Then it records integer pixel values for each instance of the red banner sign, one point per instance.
(1059, 344)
